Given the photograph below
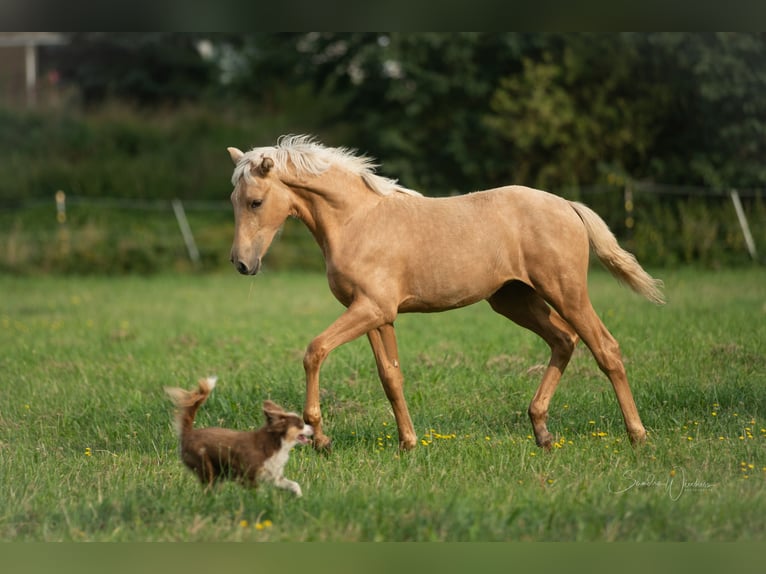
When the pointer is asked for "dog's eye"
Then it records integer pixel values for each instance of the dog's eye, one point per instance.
(256, 203)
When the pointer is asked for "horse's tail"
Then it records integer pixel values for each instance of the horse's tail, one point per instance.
(620, 263)
(188, 402)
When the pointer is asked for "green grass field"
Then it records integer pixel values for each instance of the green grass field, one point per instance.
(87, 450)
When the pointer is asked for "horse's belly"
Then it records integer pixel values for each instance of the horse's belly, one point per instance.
(440, 292)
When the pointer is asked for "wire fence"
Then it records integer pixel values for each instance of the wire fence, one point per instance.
(664, 225)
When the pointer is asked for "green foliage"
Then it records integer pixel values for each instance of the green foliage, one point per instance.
(457, 112)
(121, 152)
(142, 68)
(134, 237)
(87, 451)
(443, 113)
(700, 231)
(570, 117)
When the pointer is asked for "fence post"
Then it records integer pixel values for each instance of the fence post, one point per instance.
(63, 232)
(183, 224)
(743, 224)
(629, 219)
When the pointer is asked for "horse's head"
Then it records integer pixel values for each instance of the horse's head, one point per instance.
(261, 205)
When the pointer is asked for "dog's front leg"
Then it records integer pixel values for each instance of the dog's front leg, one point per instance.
(290, 485)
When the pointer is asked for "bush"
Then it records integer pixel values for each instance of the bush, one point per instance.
(125, 165)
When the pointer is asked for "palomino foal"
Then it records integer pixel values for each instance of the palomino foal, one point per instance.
(389, 250)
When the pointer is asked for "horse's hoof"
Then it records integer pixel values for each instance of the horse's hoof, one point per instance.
(545, 440)
(637, 438)
(407, 445)
(322, 444)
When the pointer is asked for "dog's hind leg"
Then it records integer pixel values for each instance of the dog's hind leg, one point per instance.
(205, 471)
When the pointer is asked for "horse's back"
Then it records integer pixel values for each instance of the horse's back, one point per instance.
(449, 252)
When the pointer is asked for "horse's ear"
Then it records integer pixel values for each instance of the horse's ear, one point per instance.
(266, 164)
(235, 154)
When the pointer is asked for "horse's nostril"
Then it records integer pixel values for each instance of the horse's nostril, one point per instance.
(242, 267)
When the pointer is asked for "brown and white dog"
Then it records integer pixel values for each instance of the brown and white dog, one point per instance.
(247, 457)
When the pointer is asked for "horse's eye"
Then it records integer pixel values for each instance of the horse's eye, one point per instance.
(256, 203)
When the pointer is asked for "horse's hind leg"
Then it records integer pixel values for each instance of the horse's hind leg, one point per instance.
(383, 343)
(519, 302)
(575, 306)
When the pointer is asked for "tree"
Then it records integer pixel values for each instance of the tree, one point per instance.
(143, 68)
(713, 131)
(574, 114)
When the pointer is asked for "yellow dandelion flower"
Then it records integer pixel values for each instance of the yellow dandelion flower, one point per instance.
(714, 414)
(88, 452)
(243, 523)
(267, 523)
(532, 454)
(689, 438)
(672, 472)
(259, 526)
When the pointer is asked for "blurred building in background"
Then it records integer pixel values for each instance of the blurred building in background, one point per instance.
(20, 75)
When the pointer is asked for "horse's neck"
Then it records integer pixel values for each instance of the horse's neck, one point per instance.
(326, 201)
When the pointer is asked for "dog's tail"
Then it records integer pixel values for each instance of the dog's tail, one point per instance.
(187, 403)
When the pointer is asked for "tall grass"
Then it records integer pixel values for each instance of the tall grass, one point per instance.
(87, 450)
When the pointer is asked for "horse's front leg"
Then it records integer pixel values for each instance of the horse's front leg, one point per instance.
(360, 317)
(383, 343)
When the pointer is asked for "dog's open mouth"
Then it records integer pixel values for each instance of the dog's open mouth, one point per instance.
(305, 436)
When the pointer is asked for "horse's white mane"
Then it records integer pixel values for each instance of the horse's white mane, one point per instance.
(312, 158)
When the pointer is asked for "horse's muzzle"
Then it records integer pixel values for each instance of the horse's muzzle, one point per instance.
(245, 269)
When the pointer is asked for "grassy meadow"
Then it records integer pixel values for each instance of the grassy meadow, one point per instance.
(87, 450)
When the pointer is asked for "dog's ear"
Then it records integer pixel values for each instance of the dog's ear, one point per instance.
(272, 411)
